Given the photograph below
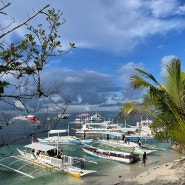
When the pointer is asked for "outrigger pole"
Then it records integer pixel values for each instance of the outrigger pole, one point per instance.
(16, 171)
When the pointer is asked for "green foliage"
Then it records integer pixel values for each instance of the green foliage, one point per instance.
(161, 136)
(2, 85)
(165, 101)
(26, 58)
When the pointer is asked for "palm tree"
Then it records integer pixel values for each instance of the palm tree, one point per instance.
(165, 101)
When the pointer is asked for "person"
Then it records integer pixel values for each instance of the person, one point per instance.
(139, 142)
(82, 164)
(144, 159)
(107, 136)
(124, 138)
(84, 134)
(32, 139)
(59, 155)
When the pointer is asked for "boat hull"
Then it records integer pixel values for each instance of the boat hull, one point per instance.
(64, 163)
(127, 147)
(64, 140)
(111, 155)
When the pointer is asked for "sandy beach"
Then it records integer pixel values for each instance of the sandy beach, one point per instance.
(169, 173)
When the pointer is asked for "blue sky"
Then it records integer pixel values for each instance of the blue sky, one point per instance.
(112, 37)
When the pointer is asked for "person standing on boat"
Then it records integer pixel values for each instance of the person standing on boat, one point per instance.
(144, 159)
(59, 156)
(84, 134)
(123, 138)
(107, 136)
(139, 142)
(32, 139)
(82, 165)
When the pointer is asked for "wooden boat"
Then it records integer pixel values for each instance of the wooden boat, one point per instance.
(123, 157)
(126, 146)
(50, 157)
(57, 138)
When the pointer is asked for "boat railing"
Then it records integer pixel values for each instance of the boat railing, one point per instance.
(58, 163)
(65, 160)
(68, 160)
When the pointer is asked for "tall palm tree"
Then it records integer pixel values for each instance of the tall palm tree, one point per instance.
(165, 101)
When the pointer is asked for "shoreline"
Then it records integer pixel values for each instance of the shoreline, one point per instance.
(165, 174)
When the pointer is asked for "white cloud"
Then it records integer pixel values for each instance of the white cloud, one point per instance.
(110, 25)
(162, 8)
(128, 70)
(116, 26)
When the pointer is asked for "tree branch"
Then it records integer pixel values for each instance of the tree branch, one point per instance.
(25, 21)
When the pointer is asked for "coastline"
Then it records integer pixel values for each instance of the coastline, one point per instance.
(166, 174)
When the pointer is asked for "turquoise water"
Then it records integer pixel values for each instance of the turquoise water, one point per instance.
(107, 172)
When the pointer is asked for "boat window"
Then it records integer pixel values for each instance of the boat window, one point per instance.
(114, 154)
(106, 153)
(51, 153)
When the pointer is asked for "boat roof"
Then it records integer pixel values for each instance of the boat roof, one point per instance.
(83, 115)
(100, 123)
(57, 131)
(39, 146)
(114, 133)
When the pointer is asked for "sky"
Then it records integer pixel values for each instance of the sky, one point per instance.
(112, 38)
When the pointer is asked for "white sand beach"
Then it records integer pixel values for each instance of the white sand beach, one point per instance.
(169, 173)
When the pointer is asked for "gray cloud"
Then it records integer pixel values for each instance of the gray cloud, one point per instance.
(89, 86)
(114, 26)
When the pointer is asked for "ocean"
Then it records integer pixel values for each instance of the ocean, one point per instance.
(107, 172)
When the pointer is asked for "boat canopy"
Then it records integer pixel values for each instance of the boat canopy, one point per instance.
(83, 115)
(104, 123)
(114, 133)
(57, 131)
(39, 146)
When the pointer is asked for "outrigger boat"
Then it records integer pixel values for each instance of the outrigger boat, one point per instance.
(55, 137)
(111, 155)
(48, 156)
(127, 146)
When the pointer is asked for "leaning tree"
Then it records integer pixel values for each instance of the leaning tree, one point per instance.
(164, 101)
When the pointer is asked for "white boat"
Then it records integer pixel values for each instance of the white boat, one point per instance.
(81, 118)
(85, 117)
(49, 157)
(96, 127)
(123, 157)
(130, 136)
(63, 116)
(143, 127)
(95, 117)
(126, 146)
(64, 140)
(28, 117)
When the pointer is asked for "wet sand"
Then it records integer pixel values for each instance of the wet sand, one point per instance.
(172, 173)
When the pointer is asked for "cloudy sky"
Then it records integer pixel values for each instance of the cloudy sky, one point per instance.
(112, 37)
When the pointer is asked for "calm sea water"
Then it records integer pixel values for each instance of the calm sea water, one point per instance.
(107, 172)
